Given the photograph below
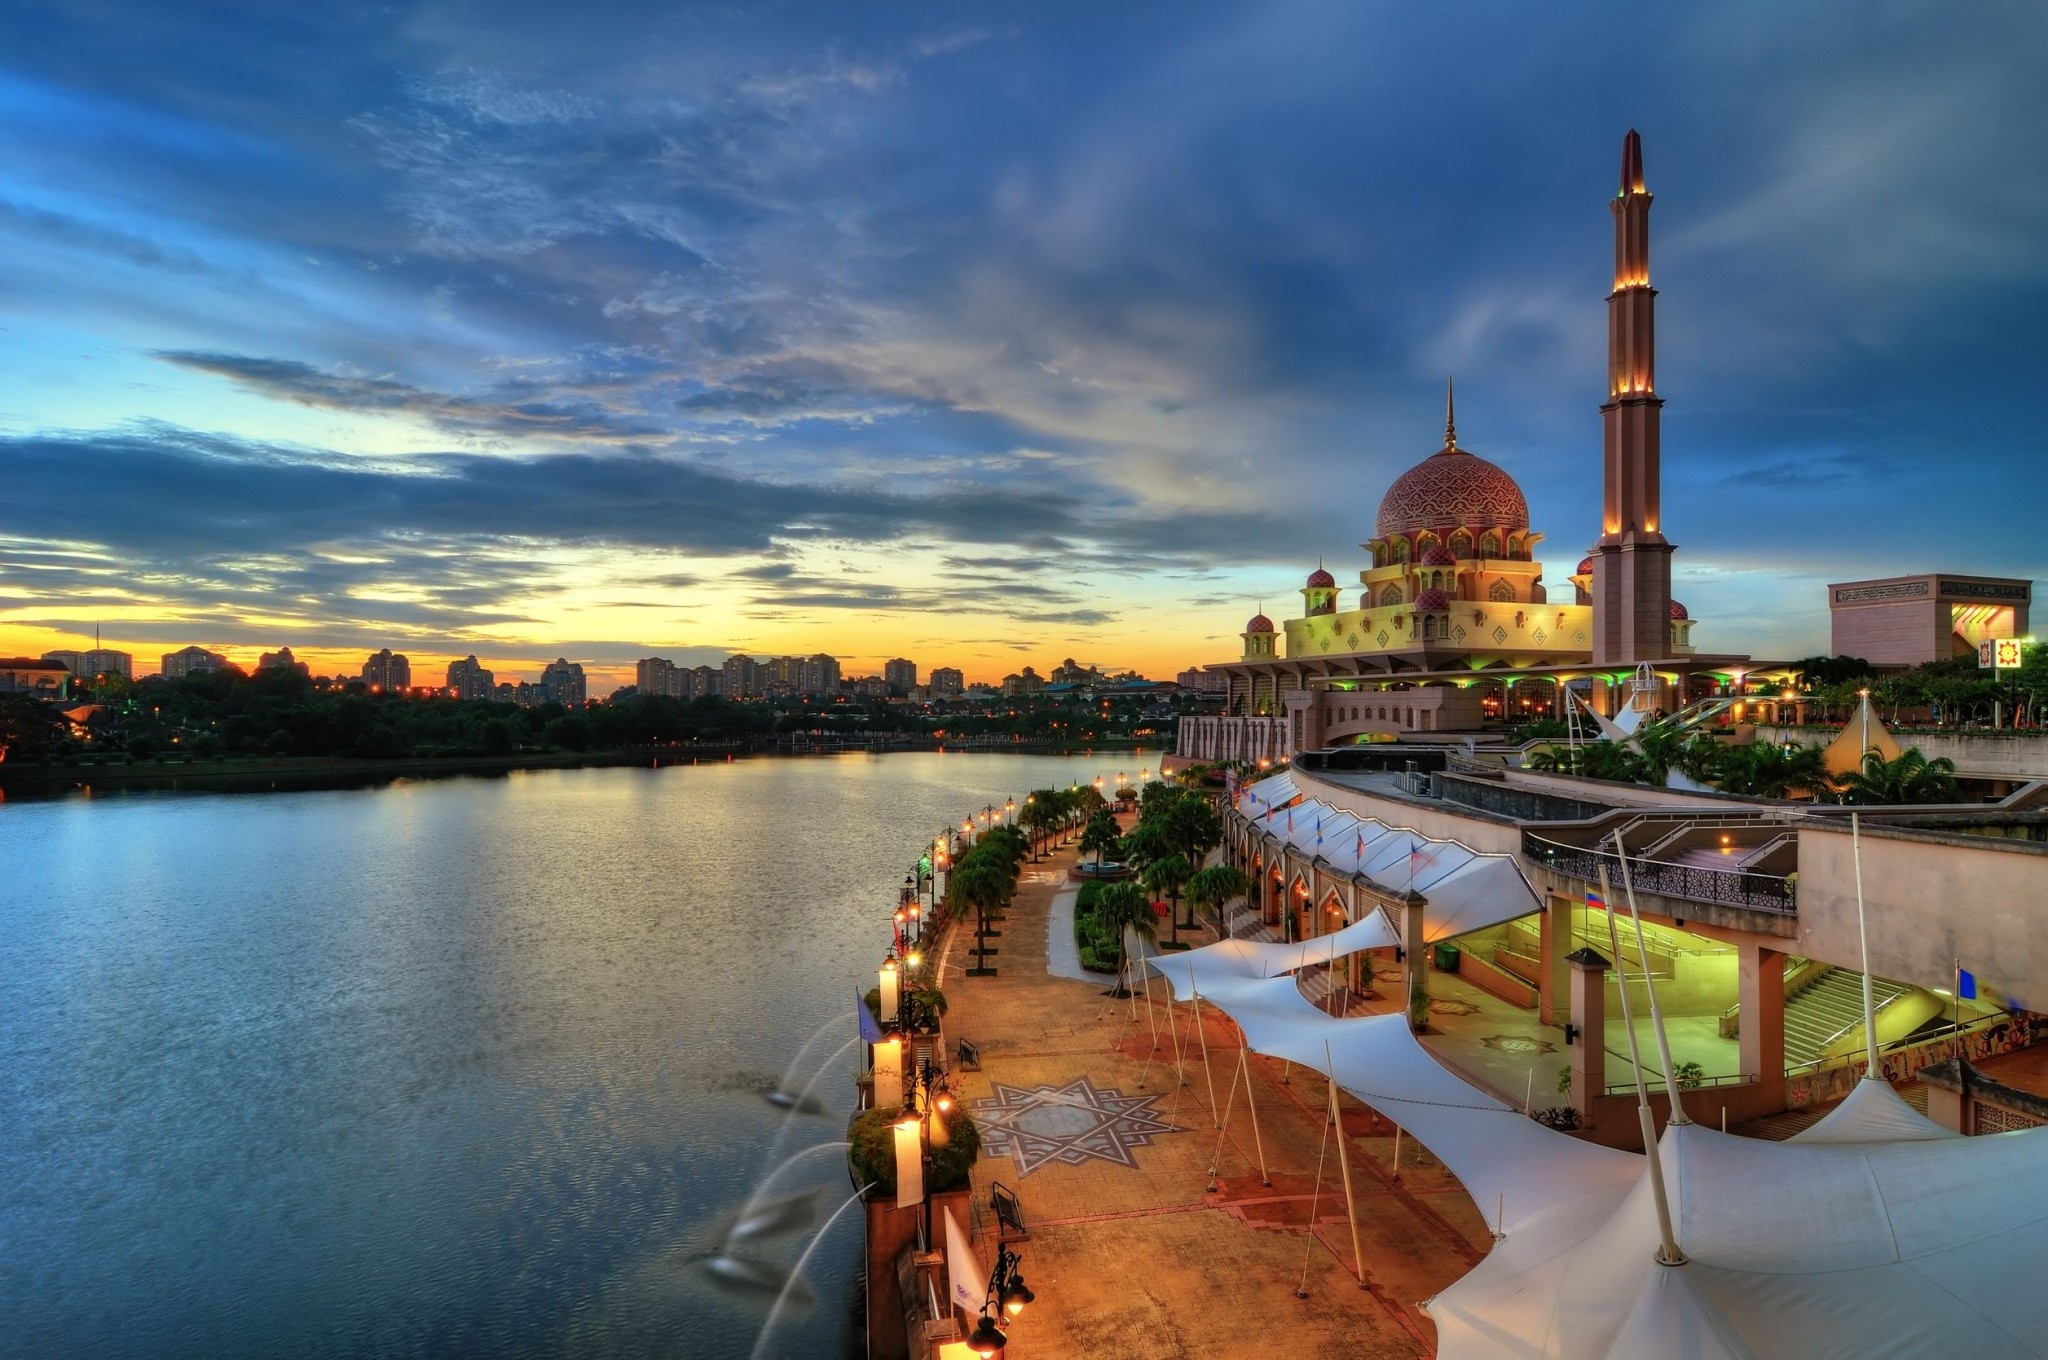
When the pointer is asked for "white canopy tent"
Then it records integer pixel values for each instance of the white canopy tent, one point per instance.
(1875, 1233)
(1206, 969)
(1466, 889)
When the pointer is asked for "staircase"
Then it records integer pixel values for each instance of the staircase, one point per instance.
(1828, 1008)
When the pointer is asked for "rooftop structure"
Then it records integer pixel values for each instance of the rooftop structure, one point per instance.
(1911, 620)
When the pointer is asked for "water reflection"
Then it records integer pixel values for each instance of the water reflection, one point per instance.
(470, 1066)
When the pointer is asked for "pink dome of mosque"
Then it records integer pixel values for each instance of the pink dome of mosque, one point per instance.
(1319, 579)
(1452, 489)
(1439, 556)
(1678, 611)
(1259, 624)
(1431, 601)
(1585, 567)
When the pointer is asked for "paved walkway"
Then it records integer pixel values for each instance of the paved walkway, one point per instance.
(1109, 1144)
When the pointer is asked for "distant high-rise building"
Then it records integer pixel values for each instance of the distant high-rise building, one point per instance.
(467, 679)
(704, 682)
(818, 674)
(562, 683)
(282, 660)
(740, 677)
(658, 677)
(191, 661)
(1072, 672)
(947, 683)
(1029, 682)
(1199, 681)
(387, 671)
(901, 675)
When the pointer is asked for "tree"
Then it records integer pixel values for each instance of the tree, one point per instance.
(1765, 769)
(1099, 836)
(1912, 778)
(1123, 907)
(1169, 876)
(1195, 828)
(1208, 889)
(31, 729)
(981, 883)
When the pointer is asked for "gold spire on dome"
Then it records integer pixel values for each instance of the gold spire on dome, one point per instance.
(1450, 413)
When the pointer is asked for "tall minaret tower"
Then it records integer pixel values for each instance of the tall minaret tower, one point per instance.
(1632, 562)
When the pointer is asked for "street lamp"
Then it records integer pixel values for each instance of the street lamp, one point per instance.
(1005, 1301)
(1010, 811)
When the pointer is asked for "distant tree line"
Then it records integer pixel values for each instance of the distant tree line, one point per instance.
(281, 713)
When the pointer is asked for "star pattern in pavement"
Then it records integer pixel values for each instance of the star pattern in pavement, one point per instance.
(1067, 1125)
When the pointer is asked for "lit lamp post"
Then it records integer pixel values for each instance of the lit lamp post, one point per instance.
(1010, 811)
(1007, 1295)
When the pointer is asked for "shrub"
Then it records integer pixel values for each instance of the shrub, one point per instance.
(1558, 1117)
(871, 1154)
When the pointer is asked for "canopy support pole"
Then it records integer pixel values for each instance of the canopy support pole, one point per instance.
(1870, 1071)
(1649, 985)
(1223, 1129)
(1344, 1166)
(1668, 1253)
(1208, 1074)
(1244, 1059)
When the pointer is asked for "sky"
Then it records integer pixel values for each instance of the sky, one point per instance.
(982, 334)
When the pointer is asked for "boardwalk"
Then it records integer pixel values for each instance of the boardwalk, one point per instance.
(1130, 1253)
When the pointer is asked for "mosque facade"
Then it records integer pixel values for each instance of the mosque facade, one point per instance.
(1451, 623)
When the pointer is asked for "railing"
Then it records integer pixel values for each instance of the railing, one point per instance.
(1694, 883)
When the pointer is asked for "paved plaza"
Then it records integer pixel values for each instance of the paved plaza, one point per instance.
(1108, 1142)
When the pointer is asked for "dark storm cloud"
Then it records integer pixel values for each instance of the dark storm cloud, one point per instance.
(1121, 291)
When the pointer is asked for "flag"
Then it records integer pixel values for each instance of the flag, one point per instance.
(1966, 984)
(1595, 901)
(1290, 824)
(964, 1275)
(1358, 852)
(1319, 831)
(870, 1032)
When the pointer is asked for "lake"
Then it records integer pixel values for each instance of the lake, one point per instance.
(466, 1066)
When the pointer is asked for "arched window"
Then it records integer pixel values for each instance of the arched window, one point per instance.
(1489, 544)
(1461, 543)
(1391, 595)
(1424, 542)
(1400, 549)
(1585, 595)
(1429, 626)
(1501, 592)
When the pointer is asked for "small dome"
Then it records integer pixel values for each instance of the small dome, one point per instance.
(1678, 611)
(1320, 579)
(1439, 556)
(1430, 601)
(1259, 624)
(1585, 567)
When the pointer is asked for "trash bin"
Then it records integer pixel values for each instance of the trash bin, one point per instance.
(1447, 958)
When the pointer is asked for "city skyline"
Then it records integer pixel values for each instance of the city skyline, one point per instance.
(691, 335)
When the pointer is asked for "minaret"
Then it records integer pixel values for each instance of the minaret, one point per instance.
(1632, 562)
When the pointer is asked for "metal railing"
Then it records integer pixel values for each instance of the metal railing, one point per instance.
(1695, 883)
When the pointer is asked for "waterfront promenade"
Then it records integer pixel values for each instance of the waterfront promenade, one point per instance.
(1109, 1154)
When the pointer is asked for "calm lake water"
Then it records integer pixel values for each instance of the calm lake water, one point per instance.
(458, 1067)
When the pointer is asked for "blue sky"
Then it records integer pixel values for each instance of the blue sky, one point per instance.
(981, 334)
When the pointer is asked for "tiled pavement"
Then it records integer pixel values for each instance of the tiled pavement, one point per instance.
(1131, 1254)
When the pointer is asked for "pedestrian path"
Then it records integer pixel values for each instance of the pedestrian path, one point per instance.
(1101, 1114)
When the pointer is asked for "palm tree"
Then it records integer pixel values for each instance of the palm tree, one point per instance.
(1123, 907)
(1169, 876)
(1194, 827)
(983, 884)
(1765, 769)
(1145, 842)
(1040, 813)
(1912, 778)
(1208, 889)
(1100, 836)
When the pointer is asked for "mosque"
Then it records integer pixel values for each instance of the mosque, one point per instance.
(1453, 624)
